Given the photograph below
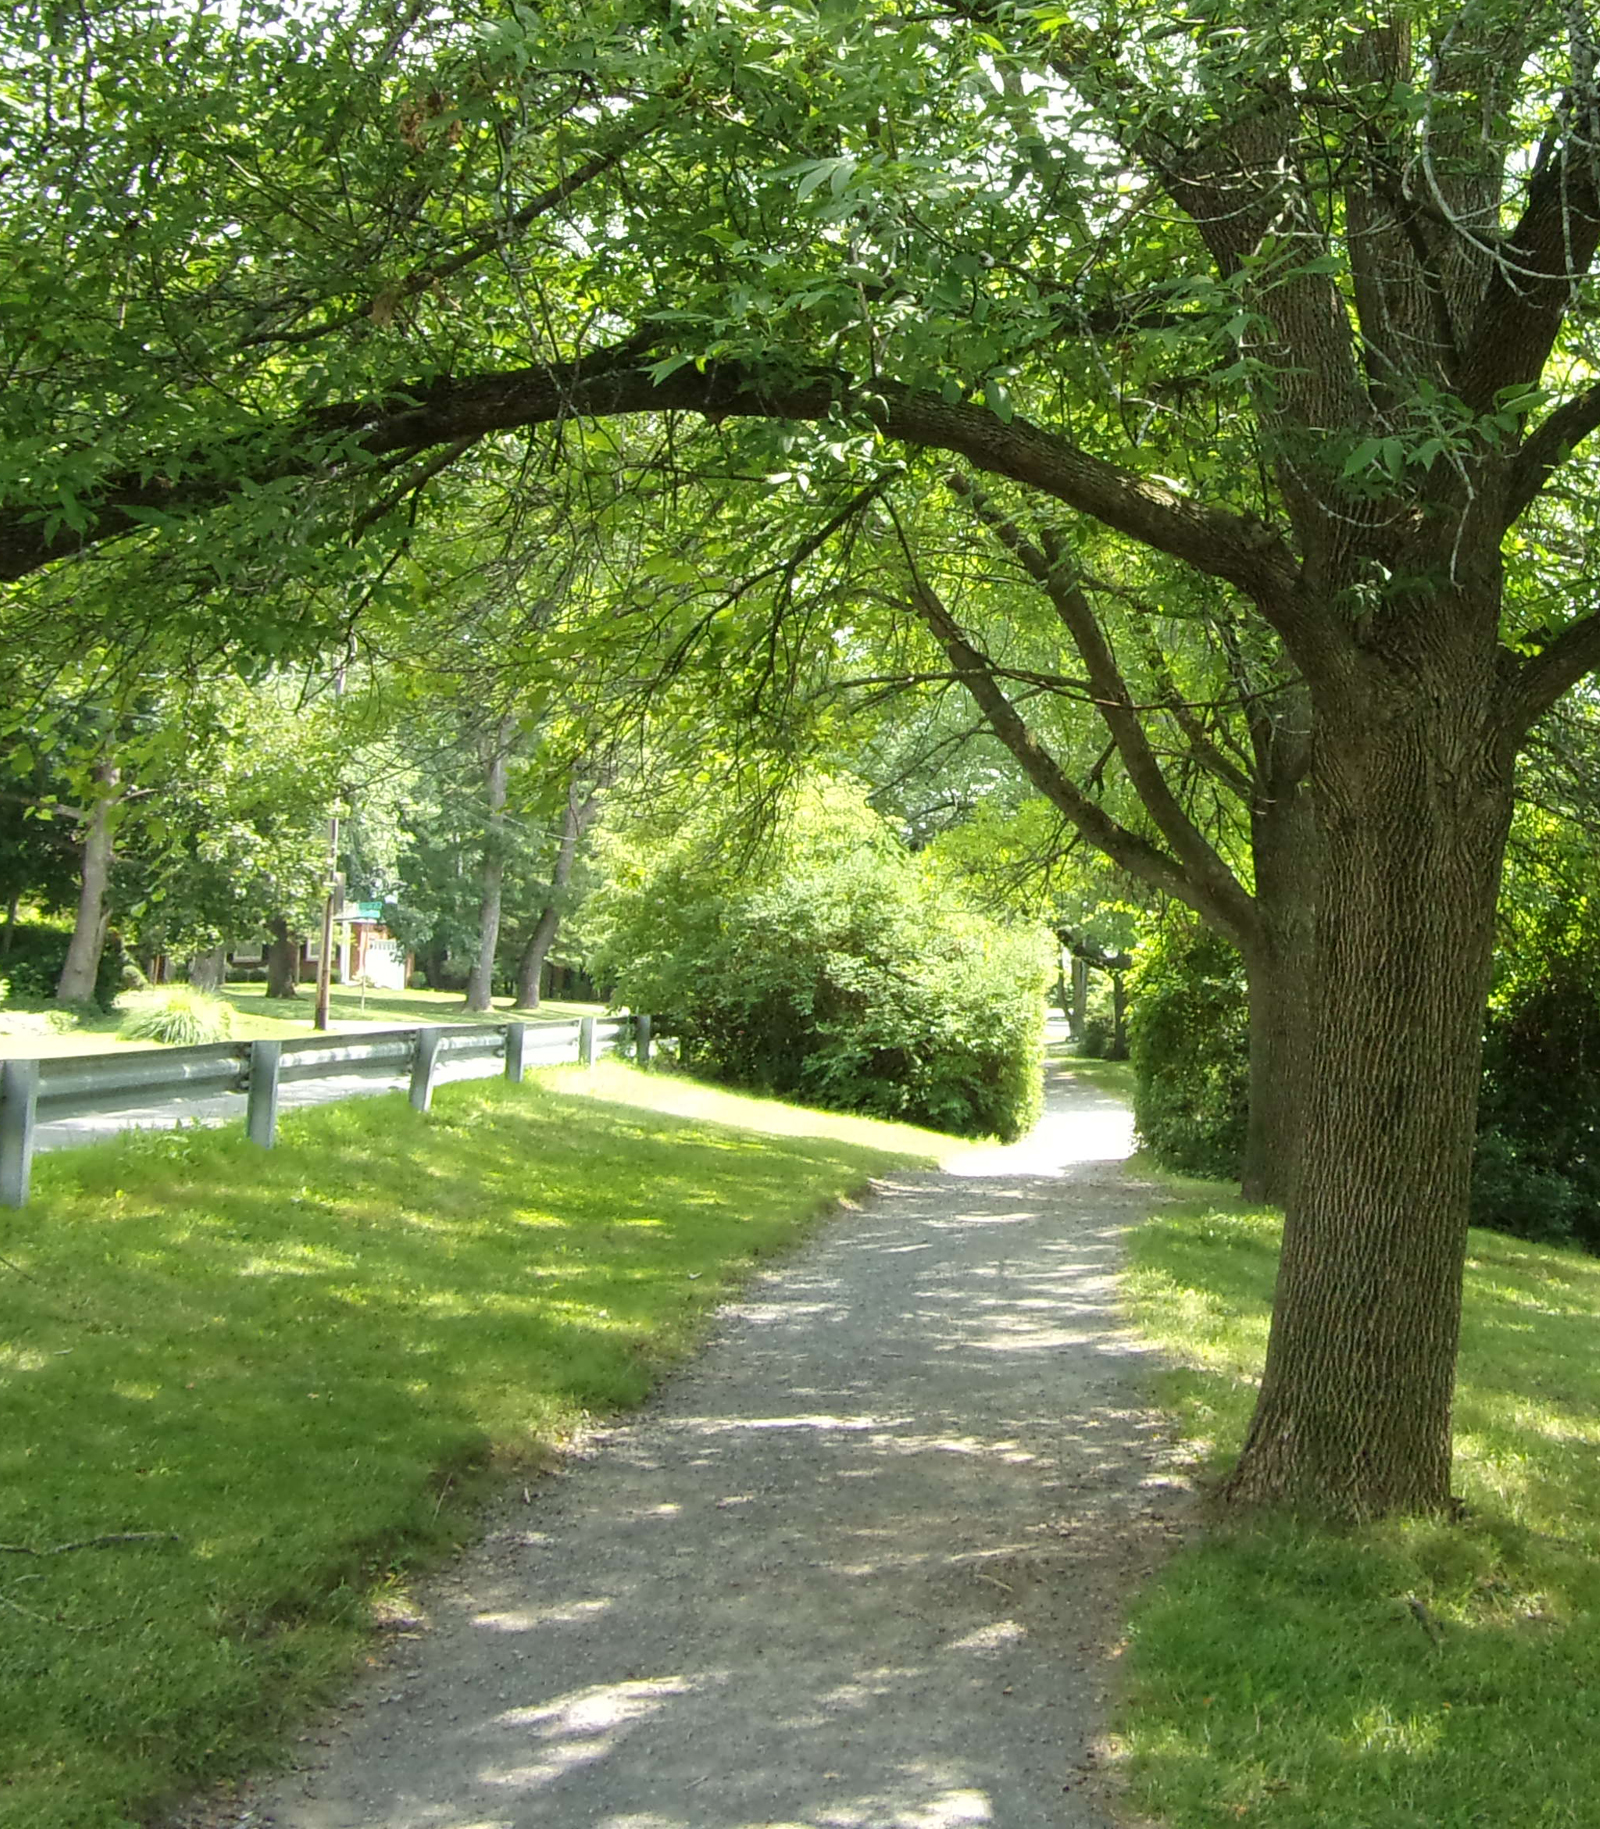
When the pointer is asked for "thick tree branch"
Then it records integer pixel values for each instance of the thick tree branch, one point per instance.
(1049, 567)
(1547, 447)
(1127, 849)
(1538, 682)
(1530, 285)
(613, 382)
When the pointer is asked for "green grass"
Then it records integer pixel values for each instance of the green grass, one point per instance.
(1115, 1077)
(270, 1018)
(304, 1366)
(36, 1028)
(41, 1027)
(1420, 1673)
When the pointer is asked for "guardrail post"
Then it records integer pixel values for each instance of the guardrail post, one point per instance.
(641, 1039)
(585, 1041)
(422, 1067)
(516, 1041)
(261, 1115)
(19, 1101)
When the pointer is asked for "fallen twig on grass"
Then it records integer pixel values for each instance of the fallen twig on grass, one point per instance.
(103, 1541)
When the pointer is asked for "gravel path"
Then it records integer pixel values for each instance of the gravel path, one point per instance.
(856, 1568)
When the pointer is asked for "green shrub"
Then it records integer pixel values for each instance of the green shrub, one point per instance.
(1096, 1040)
(1537, 1170)
(179, 1015)
(33, 965)
(1190, 1048)
(843, 972)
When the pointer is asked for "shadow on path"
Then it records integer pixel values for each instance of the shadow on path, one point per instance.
(856, 1567)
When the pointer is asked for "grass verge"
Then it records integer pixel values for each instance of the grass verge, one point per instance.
(1114, 1077)
(257, 1389)
(272, 1018)
(1412, 1673)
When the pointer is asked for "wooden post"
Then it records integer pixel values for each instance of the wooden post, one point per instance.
(586, 1041)
(422, 1067)
(261, 1117)
(516, 1040)
(641, 1036)
(19, 1101)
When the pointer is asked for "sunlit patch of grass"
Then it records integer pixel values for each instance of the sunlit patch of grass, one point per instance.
(686, 1097)
(271, 1018)
(297, 1369)
(1115, 1077)
(1416, 1673)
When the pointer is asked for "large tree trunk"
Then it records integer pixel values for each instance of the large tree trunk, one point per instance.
(575, 821)
(530, 967)
(1281, 971)
(1414, 800)
(208, 969)
(1079, 1013)
(82, 966)
(283, 961)
(480, 985)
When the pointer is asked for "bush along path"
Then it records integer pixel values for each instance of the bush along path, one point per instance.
(857, 1566)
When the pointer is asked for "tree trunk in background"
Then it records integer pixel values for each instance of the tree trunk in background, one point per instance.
(1079, 1014)
(575, 821)
(208, 969)
(283, 961)
(82, 966)
(432, 963)
(480, 985)
(9, 932)
(1281, 971)
(1413, 804)
(530, 967)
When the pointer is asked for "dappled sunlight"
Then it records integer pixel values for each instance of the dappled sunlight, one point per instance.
(527, 1619)
(840, 1578)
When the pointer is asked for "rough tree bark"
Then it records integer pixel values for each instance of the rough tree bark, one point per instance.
(283, 960)
(1354, 1412)
(82, 965)
(577, 816)
(480, 983)
(208, 969)
(1280, 971)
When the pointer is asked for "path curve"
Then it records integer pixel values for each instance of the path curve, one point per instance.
(856, 1568)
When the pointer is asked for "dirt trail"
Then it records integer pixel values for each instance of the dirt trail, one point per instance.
(856, 1568)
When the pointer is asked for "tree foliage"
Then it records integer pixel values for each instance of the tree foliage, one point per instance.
(835, 968)
(1188, 1048)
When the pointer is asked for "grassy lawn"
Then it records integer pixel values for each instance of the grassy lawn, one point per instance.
(38, 1030)
(259, 1016)
(1114, 1077)
(298, 1369)
(1419, 1674)
(42, 1030)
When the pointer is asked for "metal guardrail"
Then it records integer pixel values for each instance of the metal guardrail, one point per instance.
(33, 1092)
